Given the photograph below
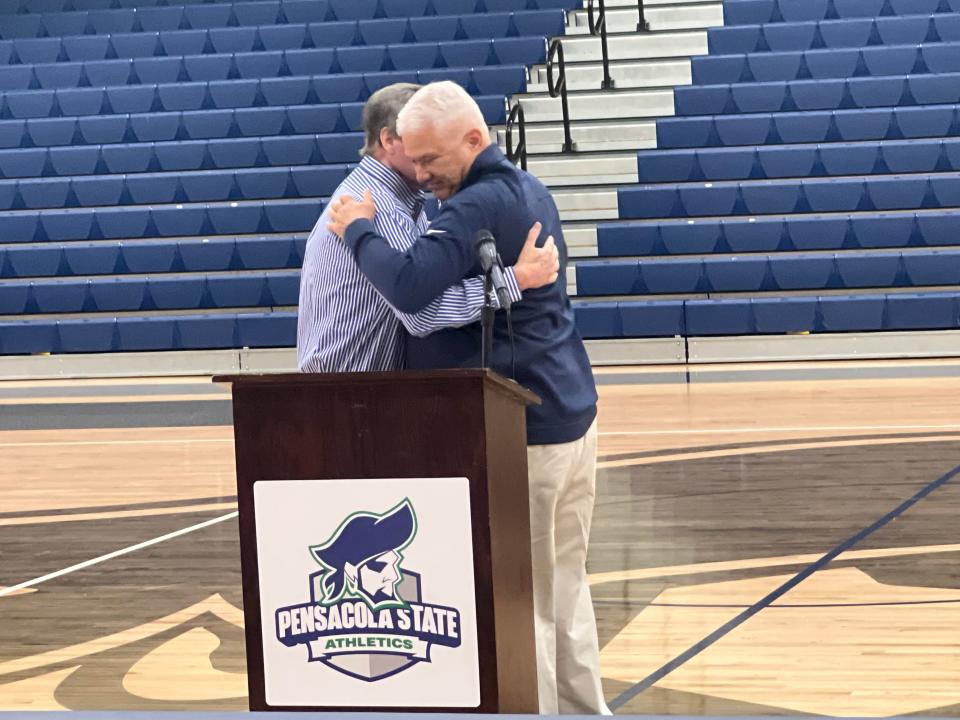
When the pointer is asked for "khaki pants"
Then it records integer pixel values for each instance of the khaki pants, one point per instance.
(562, 488)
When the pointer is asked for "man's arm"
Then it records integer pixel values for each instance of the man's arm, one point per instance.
(438, 259)
(461, 303)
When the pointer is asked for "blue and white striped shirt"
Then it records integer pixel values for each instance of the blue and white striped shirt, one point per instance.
(344, 324)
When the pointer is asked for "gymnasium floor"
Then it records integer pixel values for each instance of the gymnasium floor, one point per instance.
(767, 541)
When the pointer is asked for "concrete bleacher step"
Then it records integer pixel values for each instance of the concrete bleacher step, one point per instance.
(600, 168)
(624, 73)
(611, 105)
(586, 204)
(663, 17)
(636, 46)
(587, 136)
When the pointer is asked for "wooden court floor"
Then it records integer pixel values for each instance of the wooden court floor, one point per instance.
(759, 547)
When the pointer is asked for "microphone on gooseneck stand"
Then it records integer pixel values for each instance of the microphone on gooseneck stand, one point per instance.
(492, 265)
(494, 286)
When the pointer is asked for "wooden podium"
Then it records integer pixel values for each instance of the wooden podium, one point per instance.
(416, 424)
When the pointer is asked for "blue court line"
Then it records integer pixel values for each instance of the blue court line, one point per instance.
(764, 602)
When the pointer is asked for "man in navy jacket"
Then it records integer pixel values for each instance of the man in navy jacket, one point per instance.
(446, 138)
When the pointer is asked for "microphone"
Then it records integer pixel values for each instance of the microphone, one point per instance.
(491, 264)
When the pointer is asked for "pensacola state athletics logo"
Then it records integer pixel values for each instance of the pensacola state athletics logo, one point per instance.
(366, 617)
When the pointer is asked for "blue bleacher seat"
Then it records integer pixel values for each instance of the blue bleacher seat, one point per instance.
(132, 99)
(23, 163)
(865, 271)
(235, 291)
(179, 42)
(383, 32)
(932, 268)
(38, 50)
(882, 230)
(108, 22)
(265, 254)
(691, 237)
(736, 274)
(60, 296)
(414, 57)
(216, 15)
(353, 9)
(178, 221)
(182, 96)
(283, 37)
(19, 227)
(156, 19)
(540, 23)
(755, 235)
(98, 190)
(466, 54)
(86, 47)
(920, 312)
(267, 330)
(108, 73)
(82, 101)
(598, 319)
(156, 70)
(24, 338)
(30, 262)
(784, 315)
(150, 256)
(146, 333)
(316, 61)
(74, 160)
(233, 39)
(36, 193)
(258, 65)
(284, 288)
(86, 336)
(285, 90)
(84, 259)
(776, 196)
(20, 26)
(67, 225)
(707, 200)
(817, 233)
(65, 24)
(306, 11)
(435, 29)
(519, 51)
(332, 34)
(207, 332)
(660, 319)
(207, 255)
(803, 272)
(14, 298)
(296, 216)
(177, 293)
(719, 317)
(790, 161)
(257, 13)
(500, 80)
(122, 223)
(361, 59)
(339, 88)
(119, 294)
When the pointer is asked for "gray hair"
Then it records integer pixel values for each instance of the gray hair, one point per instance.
(381, 112)
(440, 104)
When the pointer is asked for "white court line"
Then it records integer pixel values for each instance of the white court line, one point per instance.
(116, 553)
(812, 428)
(84, 443)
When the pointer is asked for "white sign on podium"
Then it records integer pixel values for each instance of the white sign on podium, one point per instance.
(367, 593)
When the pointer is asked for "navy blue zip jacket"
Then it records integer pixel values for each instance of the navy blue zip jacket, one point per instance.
(550, 357)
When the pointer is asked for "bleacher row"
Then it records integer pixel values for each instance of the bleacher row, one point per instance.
(161, 166)
(151, 13)
(808, 183)
(74, 42)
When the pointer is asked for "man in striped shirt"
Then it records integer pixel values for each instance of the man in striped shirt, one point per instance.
(344, 324)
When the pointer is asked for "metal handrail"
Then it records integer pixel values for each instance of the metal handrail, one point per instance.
(515, 119)
(642, 24)
(559, 88)
(598, 26)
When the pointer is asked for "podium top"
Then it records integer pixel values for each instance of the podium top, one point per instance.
(487, 377)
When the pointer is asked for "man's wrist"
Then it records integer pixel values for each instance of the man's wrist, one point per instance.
(521, 274)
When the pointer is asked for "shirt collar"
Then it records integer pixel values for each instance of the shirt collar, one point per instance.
(391, 180)
(490, 157)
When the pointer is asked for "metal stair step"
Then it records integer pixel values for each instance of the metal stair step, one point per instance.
(625, 74)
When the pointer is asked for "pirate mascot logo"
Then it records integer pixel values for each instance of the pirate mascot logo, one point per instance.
(366, 617)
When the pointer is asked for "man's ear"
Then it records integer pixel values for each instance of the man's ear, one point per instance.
(387, 139)
(474, 138)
